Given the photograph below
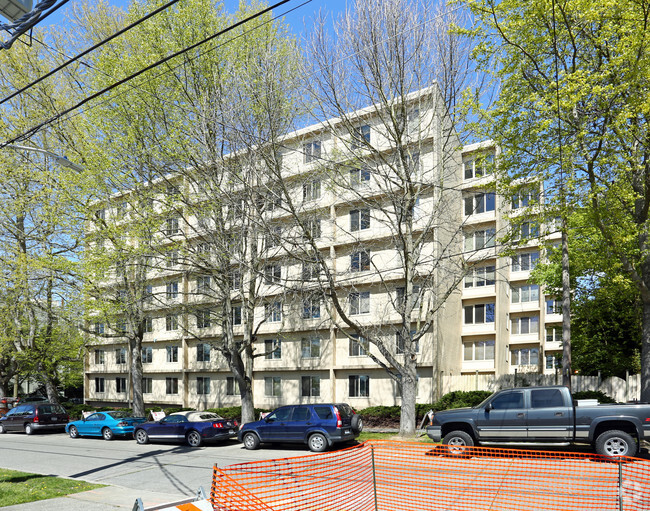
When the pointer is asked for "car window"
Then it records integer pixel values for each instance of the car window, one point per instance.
(93, 417)
(345, 410)
(119, 414)
(324, 412)
(509, 400)
(50, 409)
(546, 398)
(281, 414)
(173, 419)
(28, 410)
(301, 413)
(14, 411)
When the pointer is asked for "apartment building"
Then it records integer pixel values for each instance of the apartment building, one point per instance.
(490, 321)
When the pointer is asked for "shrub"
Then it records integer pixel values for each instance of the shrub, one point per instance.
(593, 394)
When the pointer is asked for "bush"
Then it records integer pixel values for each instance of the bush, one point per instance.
(593, 394)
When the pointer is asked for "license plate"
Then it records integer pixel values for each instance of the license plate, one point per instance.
(54, 419)
(231, 431)
(347, 431)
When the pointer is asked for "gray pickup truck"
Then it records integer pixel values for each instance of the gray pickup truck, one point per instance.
(543, 416)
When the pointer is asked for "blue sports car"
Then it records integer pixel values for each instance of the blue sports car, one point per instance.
(105, 424)
(193, 427)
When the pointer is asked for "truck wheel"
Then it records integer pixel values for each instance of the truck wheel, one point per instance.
(616, 443)
(457, 443)
(317, 443)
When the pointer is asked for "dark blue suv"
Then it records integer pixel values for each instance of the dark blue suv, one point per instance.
(319, 426)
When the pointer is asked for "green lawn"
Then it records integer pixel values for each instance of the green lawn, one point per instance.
(20, 487)
(363, 436)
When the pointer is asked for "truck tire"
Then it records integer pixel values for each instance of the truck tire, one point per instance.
(457, 443)
(616, 443)
(357, 424)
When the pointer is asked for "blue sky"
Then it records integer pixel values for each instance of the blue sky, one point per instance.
(298, 19)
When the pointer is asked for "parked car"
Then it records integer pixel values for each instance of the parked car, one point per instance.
(107, 424)
(32, 417)
(543, 415)
(318, 425)
(193, 427)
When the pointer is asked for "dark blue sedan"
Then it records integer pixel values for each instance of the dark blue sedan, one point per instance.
(192, 427)
(104, 424)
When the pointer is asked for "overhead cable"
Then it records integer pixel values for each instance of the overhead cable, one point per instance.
(27, 21)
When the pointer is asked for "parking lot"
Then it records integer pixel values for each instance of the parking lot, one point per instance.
(166, 468)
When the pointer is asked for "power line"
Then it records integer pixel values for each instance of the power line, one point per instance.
(26, 22)
(86, 52)
(38, 127)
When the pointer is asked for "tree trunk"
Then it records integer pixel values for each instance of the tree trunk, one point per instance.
(50, 389)
(136, 376)
(409, 393)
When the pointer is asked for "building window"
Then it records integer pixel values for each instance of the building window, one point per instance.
(480, 203)
(273, 349)
(359, 303)
(360, 136)
(99, 357)
(554, 334)
(310, 271)
(400, 297)
(272, 386)
(479, 313)
(478, 350)
(147, 325)
(172, 354)
(525, 325)
(478, 167)
(171, 258)
(230, 385)
(234, 279)
(171, 386)
(120, 385)
(524, 198)
(358, 346)
(236, 315)
(100, 385)
(526, 230)
(272, 274)
(481, 276)
(553, 306)
(311, 190)
(312, 228)
(100, 214)
(120, 326)
(147, 385)
(273, 237)
(524, 357)
(553, 362)
(400, 344)
(120, 356)
(311, 151)
(203, 352)
(359, 177)
(171, 226)
(171, 322)
(99, 327)
(523, 294)
(203, 284)
(359, 219)
(310, 348)
(311, 308)
(525, 262)
(147, 355)
(273, 312)
(360, 261)
(173, 191)
(477, 240)
(359, 385)
(203, 318)
(310, 386)
(172, 290)
(203, 385)
(147, 295)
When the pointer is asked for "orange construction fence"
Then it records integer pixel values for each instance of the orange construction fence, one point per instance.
(391, 476)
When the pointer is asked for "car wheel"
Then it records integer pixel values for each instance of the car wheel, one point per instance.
(108, 434)
(194, 439)
(2, 429)
(616, 443)
(141, 436)
(357, 424)
(457, 443)
(73, 432)
(317, 443)
(29, 429)
(251, 441)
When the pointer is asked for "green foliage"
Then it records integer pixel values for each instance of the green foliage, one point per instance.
(21, 487)
(593, 394)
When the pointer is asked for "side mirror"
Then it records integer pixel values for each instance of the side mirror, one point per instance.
(489, 407)
(268, 419)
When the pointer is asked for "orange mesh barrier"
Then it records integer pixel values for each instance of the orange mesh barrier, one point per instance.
(392, 476)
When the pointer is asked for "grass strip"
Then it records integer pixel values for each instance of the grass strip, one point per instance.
(21, 487)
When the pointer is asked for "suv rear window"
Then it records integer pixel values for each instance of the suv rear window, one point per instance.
(50, 409)
(324, 412)
(345, 410)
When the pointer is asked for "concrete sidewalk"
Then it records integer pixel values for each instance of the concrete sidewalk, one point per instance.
(109, 498)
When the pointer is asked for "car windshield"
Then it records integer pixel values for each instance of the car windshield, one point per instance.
(484, 402)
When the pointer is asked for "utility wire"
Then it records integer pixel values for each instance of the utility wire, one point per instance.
(36, 128)
(26, 22)
(86, 52)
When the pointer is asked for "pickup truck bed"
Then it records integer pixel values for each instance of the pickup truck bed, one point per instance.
(544, 416)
